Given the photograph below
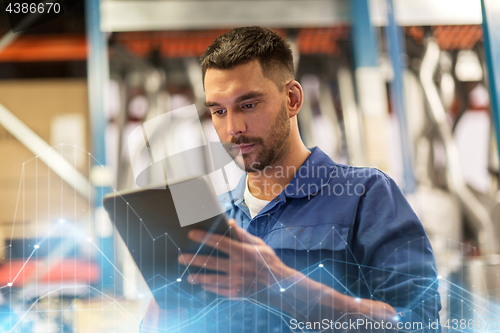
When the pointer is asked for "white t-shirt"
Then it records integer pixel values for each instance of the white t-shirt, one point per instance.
(254, 204)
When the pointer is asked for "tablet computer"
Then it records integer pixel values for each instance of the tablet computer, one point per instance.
(151, 226)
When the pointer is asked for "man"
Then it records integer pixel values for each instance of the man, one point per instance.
(321, 246)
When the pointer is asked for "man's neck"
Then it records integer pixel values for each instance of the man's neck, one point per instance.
(270, 182)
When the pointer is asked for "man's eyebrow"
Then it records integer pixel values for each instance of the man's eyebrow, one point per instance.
(250, 95)
(210, 104)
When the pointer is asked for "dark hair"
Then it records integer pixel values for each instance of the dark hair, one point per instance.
(242, 45)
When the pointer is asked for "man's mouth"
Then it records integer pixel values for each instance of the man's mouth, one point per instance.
(244, 148)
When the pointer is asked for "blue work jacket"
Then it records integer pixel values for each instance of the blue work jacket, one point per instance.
(353, 221)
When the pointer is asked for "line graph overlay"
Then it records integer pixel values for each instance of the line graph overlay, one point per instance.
(75, 224)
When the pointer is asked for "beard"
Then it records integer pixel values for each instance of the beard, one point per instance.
(266, 151)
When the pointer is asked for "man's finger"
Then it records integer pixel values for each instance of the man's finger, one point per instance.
(210, 262)
(220, 280)
(221, 243)
(243, 235)
(219, 290)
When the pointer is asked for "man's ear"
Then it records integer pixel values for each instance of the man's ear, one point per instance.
(295, 96)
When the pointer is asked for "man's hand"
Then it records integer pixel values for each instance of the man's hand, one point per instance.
(251, 270)
(254, 270)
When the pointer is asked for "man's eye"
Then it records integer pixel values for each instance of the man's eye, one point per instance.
(248, 106)
(219, 112)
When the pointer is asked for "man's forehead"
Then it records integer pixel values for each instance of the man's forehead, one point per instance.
(235, 83)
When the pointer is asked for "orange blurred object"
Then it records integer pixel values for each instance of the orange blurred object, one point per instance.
(458, 37)
(66, 271)
(37, 48)
(321, 40)
(171, 44)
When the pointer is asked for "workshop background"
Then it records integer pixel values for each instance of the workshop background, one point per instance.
(408, 86)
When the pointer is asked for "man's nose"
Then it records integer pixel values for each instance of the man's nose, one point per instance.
(235, 123)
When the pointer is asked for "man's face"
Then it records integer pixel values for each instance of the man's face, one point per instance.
(249, 114)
